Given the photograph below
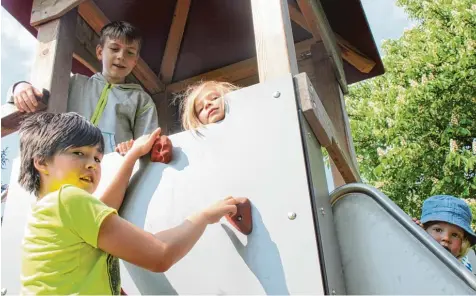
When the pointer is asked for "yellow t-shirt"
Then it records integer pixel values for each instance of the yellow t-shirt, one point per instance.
(60, 254)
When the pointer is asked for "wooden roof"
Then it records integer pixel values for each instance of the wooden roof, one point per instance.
(217, 33)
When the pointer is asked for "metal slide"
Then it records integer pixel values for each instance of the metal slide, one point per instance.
(384, 252)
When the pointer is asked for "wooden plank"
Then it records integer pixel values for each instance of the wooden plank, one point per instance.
(331, 95)
(43, 11)
(174, 41)
(11, 117)
(240, 71)
(85, 46)
(275, 50)
(167, 112)
(323, 128)
(349, 52)
(91, 13)
(319, 26)
(51, 70)
(229, 73)
(354, 57)
(298, 17)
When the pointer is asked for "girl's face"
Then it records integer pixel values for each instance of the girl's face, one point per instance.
(449, 236)
(209, 107)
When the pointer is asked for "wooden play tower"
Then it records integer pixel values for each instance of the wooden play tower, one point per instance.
(294, 60)
(243, 42)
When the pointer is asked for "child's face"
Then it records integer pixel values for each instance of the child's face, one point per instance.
(209, 107)
(78, 166)
(118, 59)
(448, 236)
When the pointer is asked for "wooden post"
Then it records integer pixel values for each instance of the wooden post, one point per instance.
(323, 128)
(318, 24)
(166, 112)
(273, 39)
(331, 95)
(52, 66)
(51, 71)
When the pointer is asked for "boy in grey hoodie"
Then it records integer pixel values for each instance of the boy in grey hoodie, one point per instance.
(121, 111)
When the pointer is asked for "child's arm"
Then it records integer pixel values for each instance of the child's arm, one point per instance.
(158, 252)
(114, 193)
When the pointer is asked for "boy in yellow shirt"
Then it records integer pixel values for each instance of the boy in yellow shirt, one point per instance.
(73, 240)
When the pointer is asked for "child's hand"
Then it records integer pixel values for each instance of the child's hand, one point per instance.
(25, 97)
(418, 222)
(143, 144)
(123, 147)
(214, 213)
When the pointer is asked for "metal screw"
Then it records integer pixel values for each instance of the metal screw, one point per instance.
(334, 292)
(322, 211)
(309, 135)
(239, 218)
(4, 291)
(291, 215)
(276, 94)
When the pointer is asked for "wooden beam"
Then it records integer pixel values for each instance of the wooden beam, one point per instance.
(43, 11)
(91, 13)
(11, 117)
(174, 41)
(331, 96)
(240, 71)
(85, 46)
(323, 128)
(52, 66)
(319, 26)
(349, 52)
(167, 112)
(51, 70)
(298, 18)
(273, 39)
(229, 73)
(354, 57)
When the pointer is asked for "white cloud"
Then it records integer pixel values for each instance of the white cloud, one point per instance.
(13, 32)
(386, 20)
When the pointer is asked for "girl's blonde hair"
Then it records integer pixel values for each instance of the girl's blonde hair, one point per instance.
(187, 104)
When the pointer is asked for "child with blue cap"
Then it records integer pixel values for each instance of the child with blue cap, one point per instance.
(448, 220)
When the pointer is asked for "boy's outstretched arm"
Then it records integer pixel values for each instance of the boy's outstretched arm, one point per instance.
(114, 193)
(158, 252)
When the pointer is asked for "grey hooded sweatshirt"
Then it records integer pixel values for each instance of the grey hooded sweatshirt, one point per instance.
(121, 111)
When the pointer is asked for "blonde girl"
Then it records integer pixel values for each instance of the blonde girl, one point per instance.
(203, 103)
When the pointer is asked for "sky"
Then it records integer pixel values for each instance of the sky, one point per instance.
(18, 46)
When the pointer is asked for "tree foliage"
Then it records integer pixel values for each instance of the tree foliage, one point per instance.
(414, 127)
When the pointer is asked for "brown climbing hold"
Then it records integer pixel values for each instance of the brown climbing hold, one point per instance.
(162, 150)
(242, 220)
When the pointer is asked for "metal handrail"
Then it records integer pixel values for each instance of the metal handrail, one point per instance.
(398, 214)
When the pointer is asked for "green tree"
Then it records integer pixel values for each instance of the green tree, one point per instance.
(415, 126)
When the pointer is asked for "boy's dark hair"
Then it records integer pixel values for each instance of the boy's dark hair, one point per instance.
(45, 134)
(120, 30)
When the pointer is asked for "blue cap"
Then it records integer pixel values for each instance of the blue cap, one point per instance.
(451, 210)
